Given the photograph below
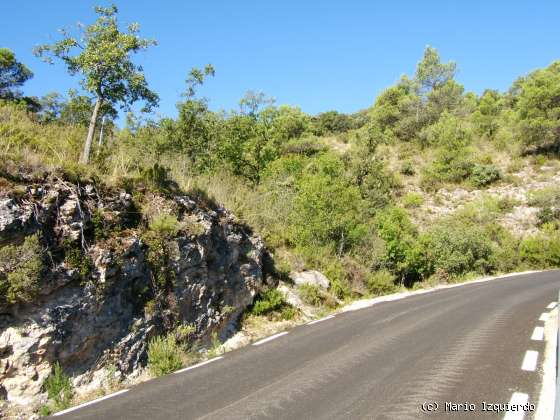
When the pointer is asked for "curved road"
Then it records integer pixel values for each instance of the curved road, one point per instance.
(462, 344)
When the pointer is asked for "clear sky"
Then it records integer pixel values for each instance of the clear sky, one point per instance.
(319, 55)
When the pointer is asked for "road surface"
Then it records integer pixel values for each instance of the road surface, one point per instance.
(394, 360)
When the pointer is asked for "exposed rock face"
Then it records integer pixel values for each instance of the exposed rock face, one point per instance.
(101, 308)
(521, 220)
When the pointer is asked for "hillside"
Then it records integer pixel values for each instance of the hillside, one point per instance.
(132, 244)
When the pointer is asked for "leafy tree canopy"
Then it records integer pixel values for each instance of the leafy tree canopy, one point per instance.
(101, 54)
(13, 75)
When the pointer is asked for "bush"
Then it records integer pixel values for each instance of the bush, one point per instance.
(58, 388)
(449, 132)
(451, 166)
(454, 248)
(312, 294)
(548, 215)
(408, 169)
(165, 355)
(538, 108)
(21, 269)
(165, 225)
(306, 146)
(268, 301)
(157, 178)
(541, 250)
(381, 283)
(546, 197)
(326, 211)
(412, 200)
(483, 175)
(331, 122)
(75, 258)
(375, 182)
(401, 244)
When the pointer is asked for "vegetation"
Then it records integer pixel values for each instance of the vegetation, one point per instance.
(312, 294)
(103, 60)
(343, 194)
(165, 355)
(13, 75)
(271, 303)
(20, 271)
(59, 390)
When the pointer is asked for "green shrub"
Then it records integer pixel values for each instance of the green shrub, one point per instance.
(381, 283)
(312, 294)
(412, 200)
(21, 269)
(305, 146)
(165, 355)
(548, 215)
(75, 258)
(453, 249)
(506, 204)
(449, 132)
(541, 250)
(401, 244)
(450, 166)
(157, 178)
(546, 197)
(288, 313)
(164, 225)
(327, 211)
(483, 175)
(268, 301)
(537, 102)
(58, 388)
(505, 255)
(408, 169)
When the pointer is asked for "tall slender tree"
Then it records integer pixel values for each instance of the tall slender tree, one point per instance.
(101, 53)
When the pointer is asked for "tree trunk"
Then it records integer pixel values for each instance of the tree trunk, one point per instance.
(89, 140)
(101, 134)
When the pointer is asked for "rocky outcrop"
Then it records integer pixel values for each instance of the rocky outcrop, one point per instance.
(103, 291)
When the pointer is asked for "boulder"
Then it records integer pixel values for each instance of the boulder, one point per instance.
(312, 277)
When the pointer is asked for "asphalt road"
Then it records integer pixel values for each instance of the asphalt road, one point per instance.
(464, 344)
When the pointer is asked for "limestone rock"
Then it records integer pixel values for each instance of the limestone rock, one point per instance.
(95, 313)
(312, 277)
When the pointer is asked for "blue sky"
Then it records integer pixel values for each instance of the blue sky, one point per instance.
(319, 55)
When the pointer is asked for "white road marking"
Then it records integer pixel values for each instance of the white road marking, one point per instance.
(551, 305)
(320, 320)
(530, 361)
(543, 317)
(538, 334)
(198, 364)
(267, 339)
(68, 410)
(545, 405)
(518, 398)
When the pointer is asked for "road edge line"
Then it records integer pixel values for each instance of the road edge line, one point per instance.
(545, 402)
(270, 338)
(77, 407)
(197, 365)
(320, 320)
